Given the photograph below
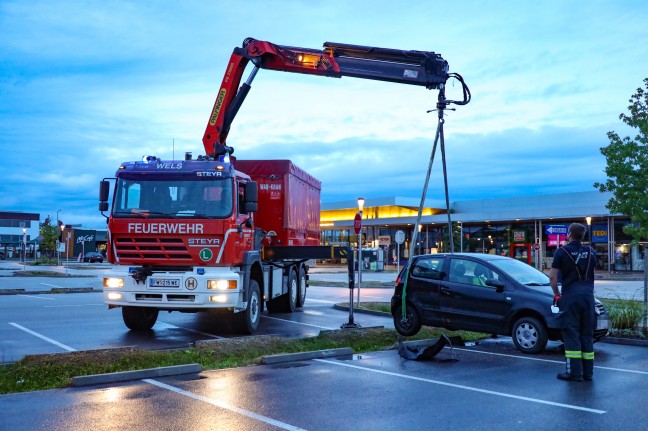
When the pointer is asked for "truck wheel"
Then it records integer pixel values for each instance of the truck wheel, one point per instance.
(139, 318)
(247, 322)
(301, 294)
(529, 335)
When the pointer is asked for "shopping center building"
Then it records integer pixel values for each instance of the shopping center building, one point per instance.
(528, 228)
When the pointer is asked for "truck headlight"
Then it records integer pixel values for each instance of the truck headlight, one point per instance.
(221, 284)
(113, 282)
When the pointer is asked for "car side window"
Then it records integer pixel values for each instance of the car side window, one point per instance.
(428, 267)
(481, 273)
(469, 272)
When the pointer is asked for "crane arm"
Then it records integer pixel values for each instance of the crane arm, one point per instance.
(423, 68)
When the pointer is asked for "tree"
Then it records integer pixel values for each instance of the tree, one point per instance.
(50, 234)
(627, 168)
(627, 172)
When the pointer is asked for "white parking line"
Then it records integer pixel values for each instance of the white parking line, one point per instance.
(313, 313)
(74, 305)
(225, 406)
(298, 323)
(548, 360)
(468, 388)
(37, 297)
(42, 337)
(321, 300)
(53, 285)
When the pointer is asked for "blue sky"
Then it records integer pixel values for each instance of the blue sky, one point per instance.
(85, 85)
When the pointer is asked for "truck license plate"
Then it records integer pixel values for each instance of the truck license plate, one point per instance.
(164, 282)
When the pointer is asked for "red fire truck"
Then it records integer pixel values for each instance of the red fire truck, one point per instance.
(216, 233)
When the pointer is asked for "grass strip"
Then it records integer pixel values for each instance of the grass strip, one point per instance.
(39, 372)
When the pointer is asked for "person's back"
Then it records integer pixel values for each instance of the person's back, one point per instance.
(574, 264)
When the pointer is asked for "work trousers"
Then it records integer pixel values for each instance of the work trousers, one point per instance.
(577, 310)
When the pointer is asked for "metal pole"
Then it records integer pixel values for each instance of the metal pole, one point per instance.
(397, 258)
(351, 274)
(645, 288)
(359, 260)
(461, 237)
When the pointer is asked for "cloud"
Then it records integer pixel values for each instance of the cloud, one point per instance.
(87, 85)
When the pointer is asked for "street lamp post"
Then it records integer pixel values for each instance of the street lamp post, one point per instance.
(461, 237)
(589, 228)
(360, 208)
(58, 249)
(24, 246)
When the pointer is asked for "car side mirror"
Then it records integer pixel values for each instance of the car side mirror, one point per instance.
(497, 284)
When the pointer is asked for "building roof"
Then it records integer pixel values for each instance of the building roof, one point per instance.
(536, 207)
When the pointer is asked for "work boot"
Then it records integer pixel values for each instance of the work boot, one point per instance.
(574, 370)
(588, 369)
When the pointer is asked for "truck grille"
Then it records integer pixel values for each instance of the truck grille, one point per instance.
(148, 248)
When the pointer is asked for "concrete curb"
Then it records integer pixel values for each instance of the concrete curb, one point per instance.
(625, 341)
(360, 310)
(98, 379)
(303, 356)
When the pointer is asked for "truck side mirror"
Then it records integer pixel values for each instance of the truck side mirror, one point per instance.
(104, 192)
(251, 197)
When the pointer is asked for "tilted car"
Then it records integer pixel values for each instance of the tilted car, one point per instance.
(482, 293)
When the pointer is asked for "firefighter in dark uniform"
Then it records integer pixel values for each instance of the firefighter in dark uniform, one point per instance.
(574, 264)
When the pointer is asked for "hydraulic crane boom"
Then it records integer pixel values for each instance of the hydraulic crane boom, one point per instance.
(423, 68)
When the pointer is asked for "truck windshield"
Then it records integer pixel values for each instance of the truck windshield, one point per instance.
(173, 199)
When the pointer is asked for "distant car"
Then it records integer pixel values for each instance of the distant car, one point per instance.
(482, 293)
(93, 257)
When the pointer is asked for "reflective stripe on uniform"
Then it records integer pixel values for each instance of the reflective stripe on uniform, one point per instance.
(588, 356)
(575, 354)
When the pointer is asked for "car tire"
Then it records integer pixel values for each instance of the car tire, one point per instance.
(412, 323)
(529, 335)
(139, 318)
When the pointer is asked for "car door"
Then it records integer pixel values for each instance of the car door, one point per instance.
(473, 297)
(423, 288)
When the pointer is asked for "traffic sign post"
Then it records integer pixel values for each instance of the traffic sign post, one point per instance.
(400, 238)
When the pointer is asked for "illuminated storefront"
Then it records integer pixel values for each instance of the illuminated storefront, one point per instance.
(528, 228)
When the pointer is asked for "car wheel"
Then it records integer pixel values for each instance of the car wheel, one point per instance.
(408, 326)
(529, 335)
(139, 318)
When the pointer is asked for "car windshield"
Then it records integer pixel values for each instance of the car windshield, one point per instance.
(521, 272)
(174, 199)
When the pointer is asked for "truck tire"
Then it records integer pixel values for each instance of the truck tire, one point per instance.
(139, 318)
(247, 322)
(287, 302)
(301, 294)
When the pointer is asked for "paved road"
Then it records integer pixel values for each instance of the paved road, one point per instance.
(489, 387)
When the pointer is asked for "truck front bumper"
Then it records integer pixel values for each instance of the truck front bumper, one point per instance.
(214, 288)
